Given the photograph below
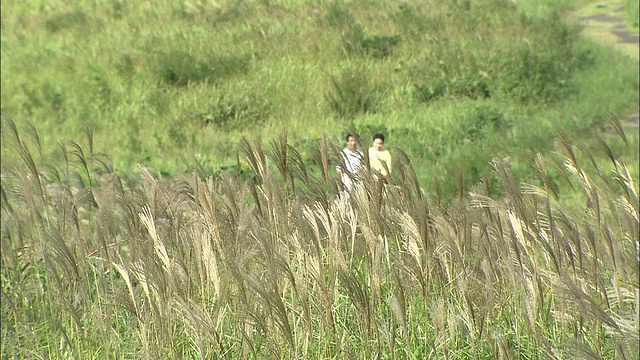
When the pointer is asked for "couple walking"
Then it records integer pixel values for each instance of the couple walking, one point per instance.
(379, 159)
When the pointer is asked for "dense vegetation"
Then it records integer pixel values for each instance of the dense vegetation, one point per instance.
(496, 236)
(168, 84)
(101, 266)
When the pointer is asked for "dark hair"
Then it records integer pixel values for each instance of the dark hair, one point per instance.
(378, 136)
(350, 135)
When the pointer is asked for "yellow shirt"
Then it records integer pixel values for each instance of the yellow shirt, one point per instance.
(378, 159)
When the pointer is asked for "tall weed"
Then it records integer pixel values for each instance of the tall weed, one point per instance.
(276, 266)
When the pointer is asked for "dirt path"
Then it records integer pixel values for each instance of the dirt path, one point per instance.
(606, 22)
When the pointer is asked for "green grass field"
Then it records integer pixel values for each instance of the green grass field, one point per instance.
(169, 188)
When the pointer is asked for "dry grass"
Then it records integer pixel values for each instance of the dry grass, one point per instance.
(94, 264)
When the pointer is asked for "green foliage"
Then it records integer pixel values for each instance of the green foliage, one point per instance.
(236, 110)
(412, 22)
(538, 69)
(531, 69)
(633, 11)
(337, 16)
(180, 68)
(353, 92)
(163, 81)
(66, 20)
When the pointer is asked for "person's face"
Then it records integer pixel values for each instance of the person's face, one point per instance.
(377, 144)
(351, 143)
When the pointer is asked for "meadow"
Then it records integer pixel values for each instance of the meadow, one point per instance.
(169, 188)
(176, 85)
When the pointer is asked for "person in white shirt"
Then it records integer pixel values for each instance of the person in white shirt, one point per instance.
(352, 157)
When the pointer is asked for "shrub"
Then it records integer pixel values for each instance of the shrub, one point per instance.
(450, 71)
(538, 69)
(353, 92)
(179, 68)
(535, 67)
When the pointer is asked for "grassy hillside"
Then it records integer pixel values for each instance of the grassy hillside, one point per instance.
(509, 229)
(168, 84)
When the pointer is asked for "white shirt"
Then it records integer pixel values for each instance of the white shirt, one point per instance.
(352, 160)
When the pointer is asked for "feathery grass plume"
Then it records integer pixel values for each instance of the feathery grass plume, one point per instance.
(614, 120)
(586, 304)
(503, 170)
(399, 304)
(408, 173)
(459, 176)
(83, 161)
(63, 255)
(413, 246)
(320, 158)
(159, 247)
(549, 186)
(270, 296)
(297, 170)
(358, 293)
(200, 327)
(124, 272)
(622, 174)
(438, 313)
(4, 200)
(438, 191)
(280, 151)
(323, 159)
(25, 156)
(231, 198)
(451, 246)
(252, 151)
(571, 164)
(31, 131)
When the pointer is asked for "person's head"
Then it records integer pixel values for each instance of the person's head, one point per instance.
(378, 141)
(352, 142)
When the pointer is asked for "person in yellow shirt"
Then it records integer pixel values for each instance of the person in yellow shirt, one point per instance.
(379, 159)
